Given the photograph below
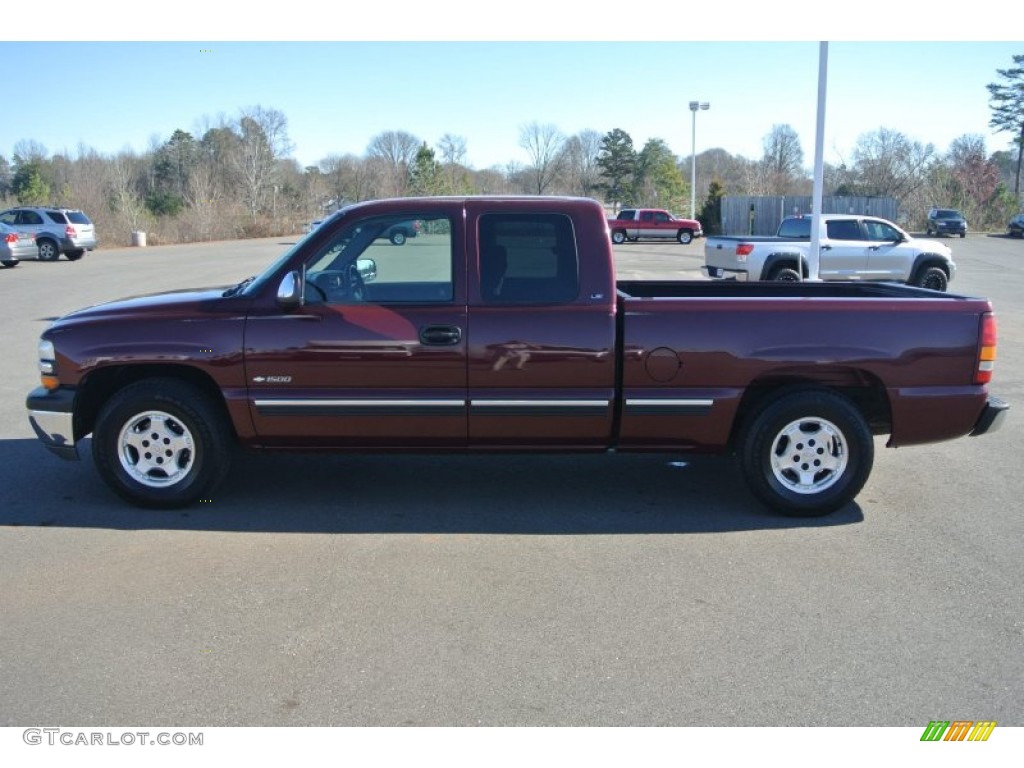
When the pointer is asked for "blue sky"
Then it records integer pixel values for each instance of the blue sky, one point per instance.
(338, 95)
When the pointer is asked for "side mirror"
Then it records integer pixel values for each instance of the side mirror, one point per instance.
(289, 292)
(367, 269)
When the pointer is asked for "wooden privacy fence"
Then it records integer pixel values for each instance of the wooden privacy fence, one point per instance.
(747, 215)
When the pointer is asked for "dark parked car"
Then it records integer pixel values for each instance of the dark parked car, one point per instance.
(946, 221)
(56, 230)
(1016, 226)
(396, 233)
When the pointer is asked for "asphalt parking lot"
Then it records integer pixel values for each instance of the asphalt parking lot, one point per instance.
(516, 590)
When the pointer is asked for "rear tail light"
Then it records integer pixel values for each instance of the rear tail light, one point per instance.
(70, 231)
(10, 237)
(743, 250)
(986, 349)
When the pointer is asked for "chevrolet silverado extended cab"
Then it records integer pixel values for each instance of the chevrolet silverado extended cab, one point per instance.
(501, 328)
(852, 248)
(650, 223)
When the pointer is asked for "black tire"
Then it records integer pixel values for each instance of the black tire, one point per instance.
(9, 263)
(398, 237)
(191, 430)
(932, 278)
(807, 453)
(618, 236)
(785, 275)
(48, 250)
(684, 236)
(76, 254)
(963, 234)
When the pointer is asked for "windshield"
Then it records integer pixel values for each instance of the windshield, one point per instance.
(947, 215)
(254, 285)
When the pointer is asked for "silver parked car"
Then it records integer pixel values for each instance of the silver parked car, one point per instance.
(56, 230)
(15, 246)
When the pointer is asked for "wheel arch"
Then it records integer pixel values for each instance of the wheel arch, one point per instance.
(862, 388)
(100, 385)
(782, 260)
(925, 261)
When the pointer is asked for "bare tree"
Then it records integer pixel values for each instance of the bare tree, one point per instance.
(580, 161)
(543, 145)
(124, 198)
(888, 164)
(453, 161)
(263, 139)
(394, 153)
(347, 179)
(782, 162)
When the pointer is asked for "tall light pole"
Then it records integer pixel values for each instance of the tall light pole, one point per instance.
(694, 106)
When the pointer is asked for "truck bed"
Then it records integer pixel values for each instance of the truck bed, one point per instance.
(708, 345)
(727, 289)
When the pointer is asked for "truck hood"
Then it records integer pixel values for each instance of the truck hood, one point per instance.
(931, 246)
(182, 305)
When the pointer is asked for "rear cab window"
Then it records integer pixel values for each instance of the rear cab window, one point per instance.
(528, 258)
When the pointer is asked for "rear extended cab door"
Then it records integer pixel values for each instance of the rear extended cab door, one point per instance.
(542, 314)
(844, 250)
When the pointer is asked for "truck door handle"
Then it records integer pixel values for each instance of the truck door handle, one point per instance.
(440, 335)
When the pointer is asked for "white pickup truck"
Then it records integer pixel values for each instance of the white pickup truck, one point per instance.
(852, 248)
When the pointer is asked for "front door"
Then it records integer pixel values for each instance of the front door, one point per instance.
(376, 355)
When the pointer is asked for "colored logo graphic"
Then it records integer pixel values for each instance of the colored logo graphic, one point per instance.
(958, 730)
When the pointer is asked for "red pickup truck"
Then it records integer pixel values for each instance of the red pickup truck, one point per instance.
(501, 328)
(651, 223)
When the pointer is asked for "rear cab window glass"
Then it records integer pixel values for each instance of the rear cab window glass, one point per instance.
(795, 229)
(528, 258)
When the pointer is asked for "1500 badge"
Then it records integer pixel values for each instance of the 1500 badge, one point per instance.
(272, 379)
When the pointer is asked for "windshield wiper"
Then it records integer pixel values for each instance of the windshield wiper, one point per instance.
(240, 287)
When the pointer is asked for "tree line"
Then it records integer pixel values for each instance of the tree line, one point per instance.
(236, 178)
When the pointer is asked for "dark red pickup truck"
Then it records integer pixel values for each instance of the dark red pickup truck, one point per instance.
(501, 328)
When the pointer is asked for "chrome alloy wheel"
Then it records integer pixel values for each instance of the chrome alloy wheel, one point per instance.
(156, 449)
(809, 455)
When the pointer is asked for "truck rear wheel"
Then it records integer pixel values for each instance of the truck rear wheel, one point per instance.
(807, 453)
(618, 237)
(786, 275)
(162, 444)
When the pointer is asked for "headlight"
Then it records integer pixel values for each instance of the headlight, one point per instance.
(48, 365)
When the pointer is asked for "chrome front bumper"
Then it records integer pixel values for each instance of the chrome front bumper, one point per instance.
(51, 415)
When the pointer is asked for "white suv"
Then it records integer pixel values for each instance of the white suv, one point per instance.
(57, 230)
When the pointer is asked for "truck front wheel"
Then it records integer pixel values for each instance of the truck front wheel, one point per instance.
(807, 453)
(933, 278)
(684, 236)
(162, 444)
(618, 237)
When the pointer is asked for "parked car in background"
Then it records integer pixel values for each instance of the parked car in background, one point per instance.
(15, 246)
(652, 223)
(396, 233)
(1016, 226)
(852, 248)
(946, 221)
(56, 230)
